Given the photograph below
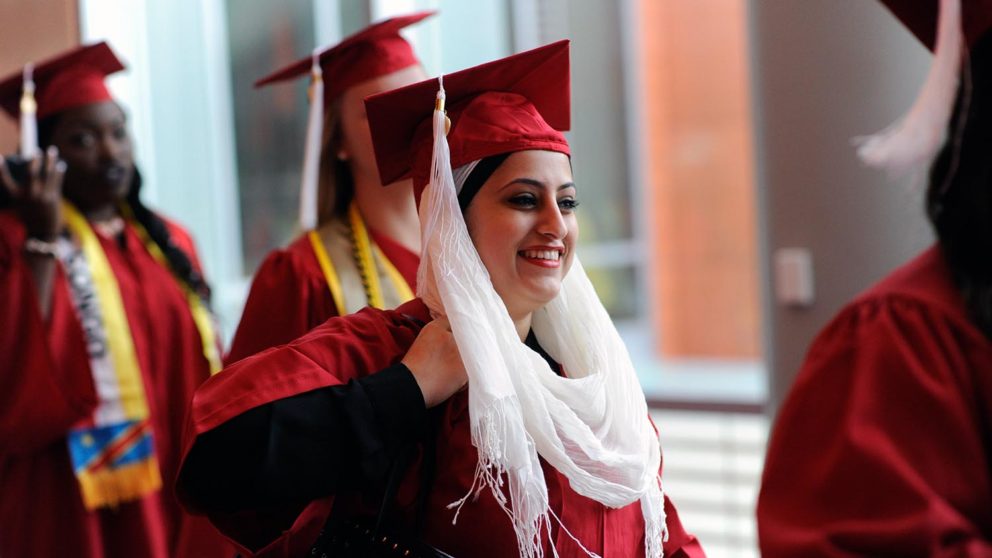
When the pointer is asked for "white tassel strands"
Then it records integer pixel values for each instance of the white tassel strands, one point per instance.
(909, 145)
(29, 122)
(312, 148)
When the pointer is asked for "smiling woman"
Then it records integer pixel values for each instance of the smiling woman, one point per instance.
(365, 420)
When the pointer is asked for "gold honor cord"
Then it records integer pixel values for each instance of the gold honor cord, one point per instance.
(120, 344)
(364, 260)
(363, 257)
(198, 310)
(330, 275)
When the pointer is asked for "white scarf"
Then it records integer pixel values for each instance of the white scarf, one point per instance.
(592, 426)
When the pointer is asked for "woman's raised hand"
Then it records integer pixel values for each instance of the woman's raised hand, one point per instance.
(435, 363)
(38, 202)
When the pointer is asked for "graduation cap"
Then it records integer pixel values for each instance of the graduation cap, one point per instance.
(68, 80)
(375, 51)
(513, 104)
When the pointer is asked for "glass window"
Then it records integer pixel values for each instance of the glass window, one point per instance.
(661, 140)
(270, 122)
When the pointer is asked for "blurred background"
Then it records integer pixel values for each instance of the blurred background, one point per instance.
(725, 217)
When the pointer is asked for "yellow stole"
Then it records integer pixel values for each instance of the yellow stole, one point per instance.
(113, 453)
(366, 261)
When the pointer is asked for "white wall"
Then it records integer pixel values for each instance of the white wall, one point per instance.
(824, 72)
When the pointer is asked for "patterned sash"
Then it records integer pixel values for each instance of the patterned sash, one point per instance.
(113, 452)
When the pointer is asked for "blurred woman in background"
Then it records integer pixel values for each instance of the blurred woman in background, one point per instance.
(882, 447)
(104, 334)
(362, 241)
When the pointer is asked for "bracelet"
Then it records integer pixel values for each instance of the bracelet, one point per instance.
(41, 247)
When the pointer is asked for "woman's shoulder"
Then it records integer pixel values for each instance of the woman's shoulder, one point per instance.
(923, 287)
(925, 277)
(912, 318)
(299, 245)
(295, 260)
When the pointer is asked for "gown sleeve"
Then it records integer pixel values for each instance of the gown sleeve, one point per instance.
(286, 300)
(270, 438)
(881, 448)
(45, 383)
(288, 452)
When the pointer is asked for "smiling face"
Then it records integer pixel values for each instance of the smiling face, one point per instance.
(93, 141)
(523, 225)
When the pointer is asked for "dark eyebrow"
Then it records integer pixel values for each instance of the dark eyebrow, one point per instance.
(536, 183)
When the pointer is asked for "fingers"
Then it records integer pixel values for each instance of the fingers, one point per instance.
(7, 180)
(34, 183)
(54, 171)
(51, 157)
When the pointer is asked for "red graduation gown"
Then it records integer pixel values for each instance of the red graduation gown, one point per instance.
(340, 350)
(882, 447)
(289, 295)
(46, 386)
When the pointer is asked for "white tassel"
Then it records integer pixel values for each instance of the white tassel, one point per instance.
(913, 141)
(311, 150)
(29, 123)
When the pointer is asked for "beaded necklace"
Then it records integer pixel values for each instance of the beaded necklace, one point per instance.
(361, 251)
(364, 253)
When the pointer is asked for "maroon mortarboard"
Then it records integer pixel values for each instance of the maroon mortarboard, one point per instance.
(71, 79)
(377, 50)
(513, 104)
(920, 16)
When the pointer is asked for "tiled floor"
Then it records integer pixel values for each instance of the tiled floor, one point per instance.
(712, 469)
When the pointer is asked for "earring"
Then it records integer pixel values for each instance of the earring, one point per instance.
(342, 155)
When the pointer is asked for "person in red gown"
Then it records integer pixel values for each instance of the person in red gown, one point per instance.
(100, 344)
(882, 446)
(369, 425)
(365, 245)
